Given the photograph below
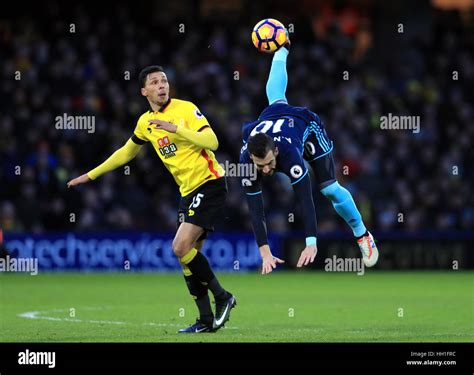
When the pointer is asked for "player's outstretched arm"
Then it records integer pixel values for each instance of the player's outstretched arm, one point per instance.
(120, 157)
(304, 194)
(257, 214)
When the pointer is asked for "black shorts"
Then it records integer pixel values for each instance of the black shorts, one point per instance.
(204, 206)
(323, 167)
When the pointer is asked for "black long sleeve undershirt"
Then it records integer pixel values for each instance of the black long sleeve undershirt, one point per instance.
(304, 195)
(257, 214)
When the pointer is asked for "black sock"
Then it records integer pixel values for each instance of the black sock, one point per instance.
(205, 310)
(216, 289)
(200, 267)
(199, 292)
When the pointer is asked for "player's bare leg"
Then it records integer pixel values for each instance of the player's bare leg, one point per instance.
(184, 241)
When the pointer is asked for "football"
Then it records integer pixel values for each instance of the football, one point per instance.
(269, 35)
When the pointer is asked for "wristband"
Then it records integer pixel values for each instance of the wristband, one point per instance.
(310, 241)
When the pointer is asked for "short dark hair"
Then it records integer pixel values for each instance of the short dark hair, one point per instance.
(259, 145)
(147, 70)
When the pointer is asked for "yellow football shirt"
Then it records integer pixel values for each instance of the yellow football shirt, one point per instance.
(190, 165)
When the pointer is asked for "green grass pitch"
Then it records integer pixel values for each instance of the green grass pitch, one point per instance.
(303, 306)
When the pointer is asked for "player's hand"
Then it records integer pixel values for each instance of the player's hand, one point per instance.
(307, 256)
(269, 262)
(79, 180)
(159, 124)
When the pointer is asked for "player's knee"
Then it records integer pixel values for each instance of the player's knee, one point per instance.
(331, 196)
(331, 191)
(180, 247)
(336, 193)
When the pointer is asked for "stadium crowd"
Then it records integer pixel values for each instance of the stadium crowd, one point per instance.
(344, 65)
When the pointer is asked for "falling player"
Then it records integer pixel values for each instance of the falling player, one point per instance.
(184, 140)
(280, 140)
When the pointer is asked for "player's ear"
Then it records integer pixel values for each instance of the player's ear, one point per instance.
(143, 91)
(276, 151)
(251, 156)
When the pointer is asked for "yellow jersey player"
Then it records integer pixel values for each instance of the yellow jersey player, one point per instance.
(184, 141)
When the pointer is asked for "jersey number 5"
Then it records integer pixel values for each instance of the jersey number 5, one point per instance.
(265, 126)
(196, 200)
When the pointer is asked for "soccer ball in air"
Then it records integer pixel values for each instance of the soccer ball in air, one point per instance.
(269, 35)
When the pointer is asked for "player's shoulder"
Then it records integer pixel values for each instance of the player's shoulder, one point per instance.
(144, 117)
(290, 160)
(187, 108)
(184, 104)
